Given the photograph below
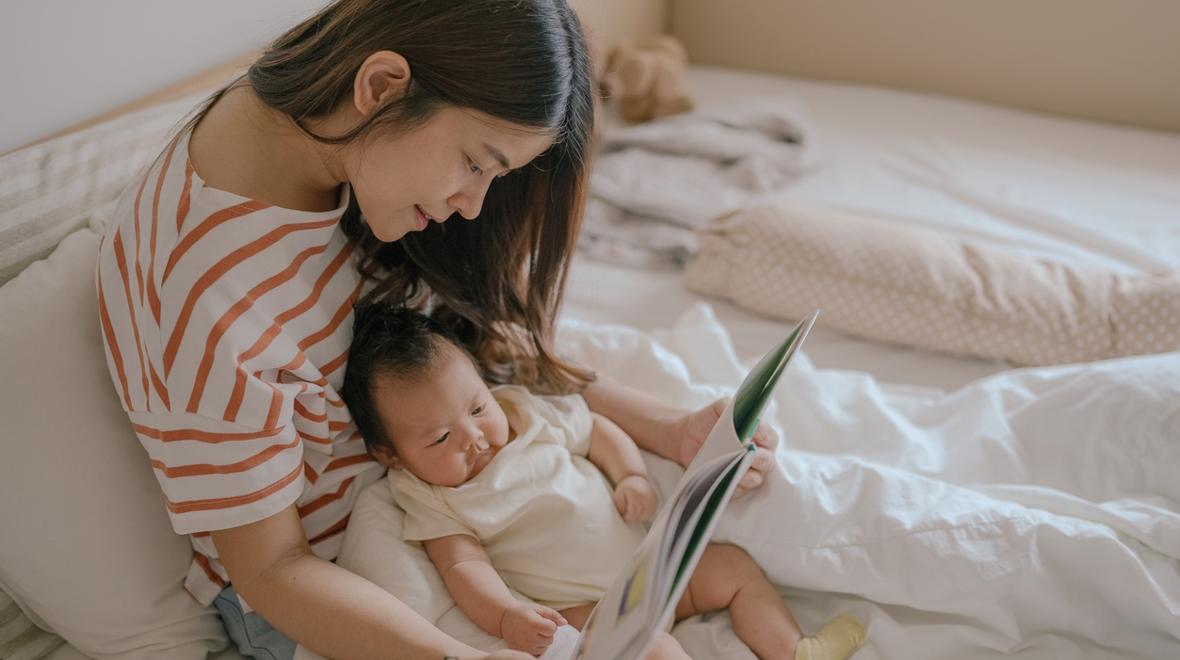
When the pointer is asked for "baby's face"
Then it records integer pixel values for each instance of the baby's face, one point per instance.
(445, 426)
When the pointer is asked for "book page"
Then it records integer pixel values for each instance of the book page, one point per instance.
(642, 600)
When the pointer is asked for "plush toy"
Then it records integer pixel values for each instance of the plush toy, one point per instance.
(645, 77)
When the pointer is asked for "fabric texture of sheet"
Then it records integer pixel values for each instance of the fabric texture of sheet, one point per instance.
(650, 299)
(1101, 195)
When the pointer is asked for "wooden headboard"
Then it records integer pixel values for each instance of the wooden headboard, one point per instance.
(1116, 61)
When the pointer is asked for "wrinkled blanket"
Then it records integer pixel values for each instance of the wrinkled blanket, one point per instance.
(654, 183)
(1033, 514)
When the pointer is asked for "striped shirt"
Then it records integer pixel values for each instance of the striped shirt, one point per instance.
(226, 322)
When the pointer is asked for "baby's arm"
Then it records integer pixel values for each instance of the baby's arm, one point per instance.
(482, 595)
(617, 455)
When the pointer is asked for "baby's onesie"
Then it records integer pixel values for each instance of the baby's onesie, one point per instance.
(543, 512)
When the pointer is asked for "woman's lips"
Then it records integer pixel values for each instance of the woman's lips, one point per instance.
(423, 219)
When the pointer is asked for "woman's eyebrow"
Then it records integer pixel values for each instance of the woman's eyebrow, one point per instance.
(498, 155)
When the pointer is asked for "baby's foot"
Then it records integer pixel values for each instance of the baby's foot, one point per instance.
(835, 641)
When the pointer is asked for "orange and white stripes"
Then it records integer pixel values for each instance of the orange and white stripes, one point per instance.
(226, 322)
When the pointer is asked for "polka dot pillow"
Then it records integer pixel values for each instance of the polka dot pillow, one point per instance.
(919, 288)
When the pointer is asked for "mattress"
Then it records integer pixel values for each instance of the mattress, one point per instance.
(1072, 190)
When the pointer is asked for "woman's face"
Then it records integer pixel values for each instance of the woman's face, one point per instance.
(443, 167)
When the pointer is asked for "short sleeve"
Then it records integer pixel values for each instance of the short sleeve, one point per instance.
(428, 516)
(216, 474)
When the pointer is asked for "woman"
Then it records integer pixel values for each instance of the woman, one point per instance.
(425, 151)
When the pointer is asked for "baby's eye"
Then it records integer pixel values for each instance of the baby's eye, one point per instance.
(479, 410)
(443, 438)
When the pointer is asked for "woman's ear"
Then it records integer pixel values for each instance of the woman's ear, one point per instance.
(386, 456)
(382, 76)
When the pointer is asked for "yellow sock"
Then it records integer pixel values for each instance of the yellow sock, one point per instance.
(835, 641)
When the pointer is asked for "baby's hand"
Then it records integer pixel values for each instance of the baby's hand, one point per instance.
(636, 499)
(529, 627)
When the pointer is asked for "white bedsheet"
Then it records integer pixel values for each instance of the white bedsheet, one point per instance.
(648, 299)
(1102, 194)
(1032, 513)
(1097, 194)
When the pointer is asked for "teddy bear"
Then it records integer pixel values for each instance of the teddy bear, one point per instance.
(646, 78)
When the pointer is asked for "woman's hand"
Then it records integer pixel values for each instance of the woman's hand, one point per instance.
(692, 429)
(529, 627)
(635, 499)
(671, 432)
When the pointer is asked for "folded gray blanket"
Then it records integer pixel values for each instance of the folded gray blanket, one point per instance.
(655, 183)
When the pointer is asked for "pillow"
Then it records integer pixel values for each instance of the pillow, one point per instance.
(920, 288)
(85, 543)
(48, 190)
(374, 549)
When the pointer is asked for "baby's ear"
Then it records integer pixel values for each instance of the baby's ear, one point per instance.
(386, 456)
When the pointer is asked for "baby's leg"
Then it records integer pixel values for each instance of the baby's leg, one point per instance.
(728, 577)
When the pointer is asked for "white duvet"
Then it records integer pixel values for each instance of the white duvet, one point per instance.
(1033, 514)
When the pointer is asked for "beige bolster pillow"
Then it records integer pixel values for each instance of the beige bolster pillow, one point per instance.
(920, 288)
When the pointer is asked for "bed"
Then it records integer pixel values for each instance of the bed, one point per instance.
(959, 507)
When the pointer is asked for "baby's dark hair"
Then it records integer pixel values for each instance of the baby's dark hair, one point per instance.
(389, 341)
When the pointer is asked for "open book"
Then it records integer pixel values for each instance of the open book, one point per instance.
(642, 600)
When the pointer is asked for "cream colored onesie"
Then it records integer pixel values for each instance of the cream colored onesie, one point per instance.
(542, 511)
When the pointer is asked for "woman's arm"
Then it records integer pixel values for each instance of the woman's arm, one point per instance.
(645, 418)
(671, 432)
(324, 607)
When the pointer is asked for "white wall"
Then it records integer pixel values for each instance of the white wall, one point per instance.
(62, 61)
(66, 61)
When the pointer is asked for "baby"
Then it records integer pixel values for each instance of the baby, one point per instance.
(505, 488)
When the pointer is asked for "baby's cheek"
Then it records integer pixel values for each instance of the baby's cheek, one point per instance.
(500, 431)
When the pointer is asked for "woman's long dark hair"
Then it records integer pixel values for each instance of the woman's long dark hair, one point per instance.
(496, 282)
